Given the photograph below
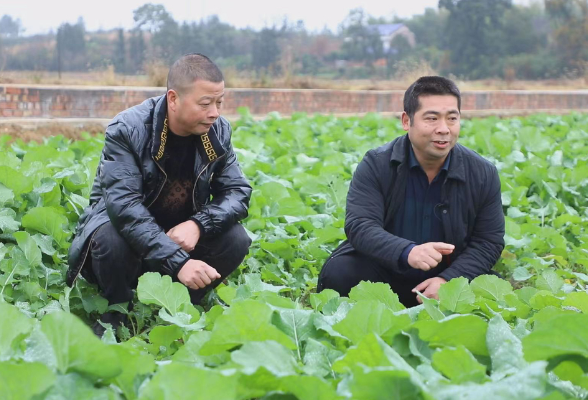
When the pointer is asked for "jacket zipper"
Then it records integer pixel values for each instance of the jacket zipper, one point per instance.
(196, 182)
(162, 185)
(85, 257)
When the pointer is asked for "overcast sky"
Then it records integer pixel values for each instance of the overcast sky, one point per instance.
(40, 16)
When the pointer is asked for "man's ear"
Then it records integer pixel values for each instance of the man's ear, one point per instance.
(405, 121)
(172, 100)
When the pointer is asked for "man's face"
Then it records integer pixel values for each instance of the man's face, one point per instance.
(194, 111)
(435, 127)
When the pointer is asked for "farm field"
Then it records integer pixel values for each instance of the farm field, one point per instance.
(265, 333)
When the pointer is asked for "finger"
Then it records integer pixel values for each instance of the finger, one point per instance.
(423, 266)
(205, 278)
(212, 273)
(431, 261)
(445, 252)
(435, 255)
(198, 281)
(420, 301)
(443, 246)
(421, 286)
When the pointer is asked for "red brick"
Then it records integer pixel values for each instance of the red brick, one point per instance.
(13, 90)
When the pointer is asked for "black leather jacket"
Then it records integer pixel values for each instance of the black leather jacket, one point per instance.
(129, 179)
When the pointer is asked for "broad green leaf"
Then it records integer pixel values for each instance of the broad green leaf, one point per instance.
(456, 296)
(180, 381)
(15, 180)
(245, 321)
(135, 367)
(506, 350)
(528, 384)
(77, 349)
(370, 316)
(318, 359)
(75, 386)
(29, 248)
(490, 287)
(8, 222)
(271, 355)
(318, 300)
(6, 195)
(308, 388)
(159, 290)
(373, 352)
(376, 291)
(48, 221)
(298, 324)
(564, 335)
(163, 336)
(14, 324)
(431, 307)
(384, 385)
(578, 300)
(459, 365)
(23, 381)
(189, 353)
(550, 281)
(466, 330)
(570, 371)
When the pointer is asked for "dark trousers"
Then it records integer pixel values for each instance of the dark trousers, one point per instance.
(343, 272)
(117, 268)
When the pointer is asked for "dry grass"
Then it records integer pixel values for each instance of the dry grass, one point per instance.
(157, 74)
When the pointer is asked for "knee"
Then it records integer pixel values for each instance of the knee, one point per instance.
(234, 242)
(107, 243)
(239, 241)
(338, 277)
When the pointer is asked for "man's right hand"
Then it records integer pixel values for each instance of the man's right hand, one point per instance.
(197, 274)
(428, 255)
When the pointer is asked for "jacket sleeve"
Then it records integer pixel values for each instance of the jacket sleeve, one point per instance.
(122, 187)
(230, 198)
(364, 219)
(487, 239)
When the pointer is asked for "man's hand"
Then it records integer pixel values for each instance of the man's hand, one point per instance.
(197, 274)
(428, 255)
(429, 288)
(186, 235)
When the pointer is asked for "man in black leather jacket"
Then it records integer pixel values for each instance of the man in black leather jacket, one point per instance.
(422, 209)
(168, 194)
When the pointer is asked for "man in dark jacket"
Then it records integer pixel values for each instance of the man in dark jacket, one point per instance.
(168, 194)
(421, 209)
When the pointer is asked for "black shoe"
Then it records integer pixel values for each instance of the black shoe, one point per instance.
(113, 318)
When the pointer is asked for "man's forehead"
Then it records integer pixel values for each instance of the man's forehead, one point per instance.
(435, 101)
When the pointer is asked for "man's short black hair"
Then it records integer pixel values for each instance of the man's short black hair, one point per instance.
(428, 85)
(190, 68)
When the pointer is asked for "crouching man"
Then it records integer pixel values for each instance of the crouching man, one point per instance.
(168, 194)
(421, 209)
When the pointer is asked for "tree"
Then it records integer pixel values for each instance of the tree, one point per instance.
(361, 42)
(473, 35)
(570, 31)
(71, 46)
(265, 48)
(137, 50)
(9, 27)
(120, 53)
(164, 29)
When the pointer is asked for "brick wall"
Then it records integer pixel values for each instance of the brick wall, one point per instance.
(104, 102)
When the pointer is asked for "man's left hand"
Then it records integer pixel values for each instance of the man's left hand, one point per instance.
(429, 288)
(186, 235)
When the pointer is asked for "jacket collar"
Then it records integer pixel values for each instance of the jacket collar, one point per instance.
(209, 145)
(456, 169)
